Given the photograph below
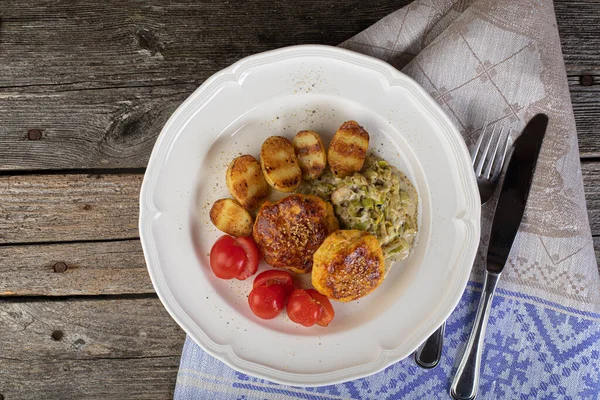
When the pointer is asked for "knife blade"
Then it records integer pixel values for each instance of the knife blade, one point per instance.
(507, 219)
(515, 191)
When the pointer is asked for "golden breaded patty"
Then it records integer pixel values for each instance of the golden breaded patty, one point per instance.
(348, 265)
(289, 231)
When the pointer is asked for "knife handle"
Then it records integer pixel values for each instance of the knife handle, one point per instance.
(466, 382)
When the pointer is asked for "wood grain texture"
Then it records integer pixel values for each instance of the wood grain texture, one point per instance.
(58, 208)
(99, 80)
(91, 329)
(100, 128)
(125, 348)
(95, 268)
(591, 181)
(586, 107)
(99, 379)
(117, 43)
(113, 72)
(44, 208)
(113, 268)
(579, 28)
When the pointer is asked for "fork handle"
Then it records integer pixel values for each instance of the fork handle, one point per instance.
(430, 351)
(466, 382)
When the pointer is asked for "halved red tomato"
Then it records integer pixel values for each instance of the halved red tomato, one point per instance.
(303, 309)
(227, 260)
(327, 312)
(270, 292)
(234, 257)
(252, 254)
(275, 277)
(266, 302)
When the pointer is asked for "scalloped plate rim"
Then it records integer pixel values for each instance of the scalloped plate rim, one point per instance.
(148, 211)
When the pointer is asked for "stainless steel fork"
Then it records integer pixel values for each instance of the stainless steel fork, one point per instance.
(488, 166)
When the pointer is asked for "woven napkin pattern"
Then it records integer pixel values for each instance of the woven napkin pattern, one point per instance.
(497, 63)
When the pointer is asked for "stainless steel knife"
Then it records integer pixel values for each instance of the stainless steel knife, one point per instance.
(507, 219)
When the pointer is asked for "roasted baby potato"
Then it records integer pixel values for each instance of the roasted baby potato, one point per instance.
(230, 217)
(311, 154)
(289, 231)
(348, 265)
(280, 165)
(348, 149)
(246, 182)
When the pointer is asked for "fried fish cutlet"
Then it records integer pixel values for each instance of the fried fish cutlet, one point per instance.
(289, 231)
(348, 265)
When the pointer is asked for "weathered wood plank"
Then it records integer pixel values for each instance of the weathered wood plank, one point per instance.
(127, 348)
(591, 182)
(96, 268)
(55, 208)
(44, 208)
(74, 269)
(586, 107)
(104, 104)
(101, 101)
(579, 28)
(116, 128)
(101, 379)
(89, 329)
(163, 42)
(109, 128)
(113, 42)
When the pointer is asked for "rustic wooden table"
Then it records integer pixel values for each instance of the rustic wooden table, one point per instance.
(84, 92)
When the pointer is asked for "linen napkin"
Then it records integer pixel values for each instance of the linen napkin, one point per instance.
(496, 62)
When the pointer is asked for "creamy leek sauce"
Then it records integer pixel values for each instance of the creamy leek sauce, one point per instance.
(380, 199)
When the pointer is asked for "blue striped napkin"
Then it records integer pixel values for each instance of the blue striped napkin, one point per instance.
(534, 349)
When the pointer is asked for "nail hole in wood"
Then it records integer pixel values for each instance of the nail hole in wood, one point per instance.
(60, 267)
(34, 134)
(56, 336)
(586, 80)
(147, 40)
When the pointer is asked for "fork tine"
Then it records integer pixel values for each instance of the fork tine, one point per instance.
(489, 169)
(498, 169)
(479, 141)
(484, 156)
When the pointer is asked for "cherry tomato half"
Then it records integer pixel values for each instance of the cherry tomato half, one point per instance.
(252, 254)
(270, 292)
(327, 312)
(234, 257)
(303, 309)
(227, 259)
(275, 277)
(266, 302)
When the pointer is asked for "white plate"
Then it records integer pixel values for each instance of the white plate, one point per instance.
(279, 93)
